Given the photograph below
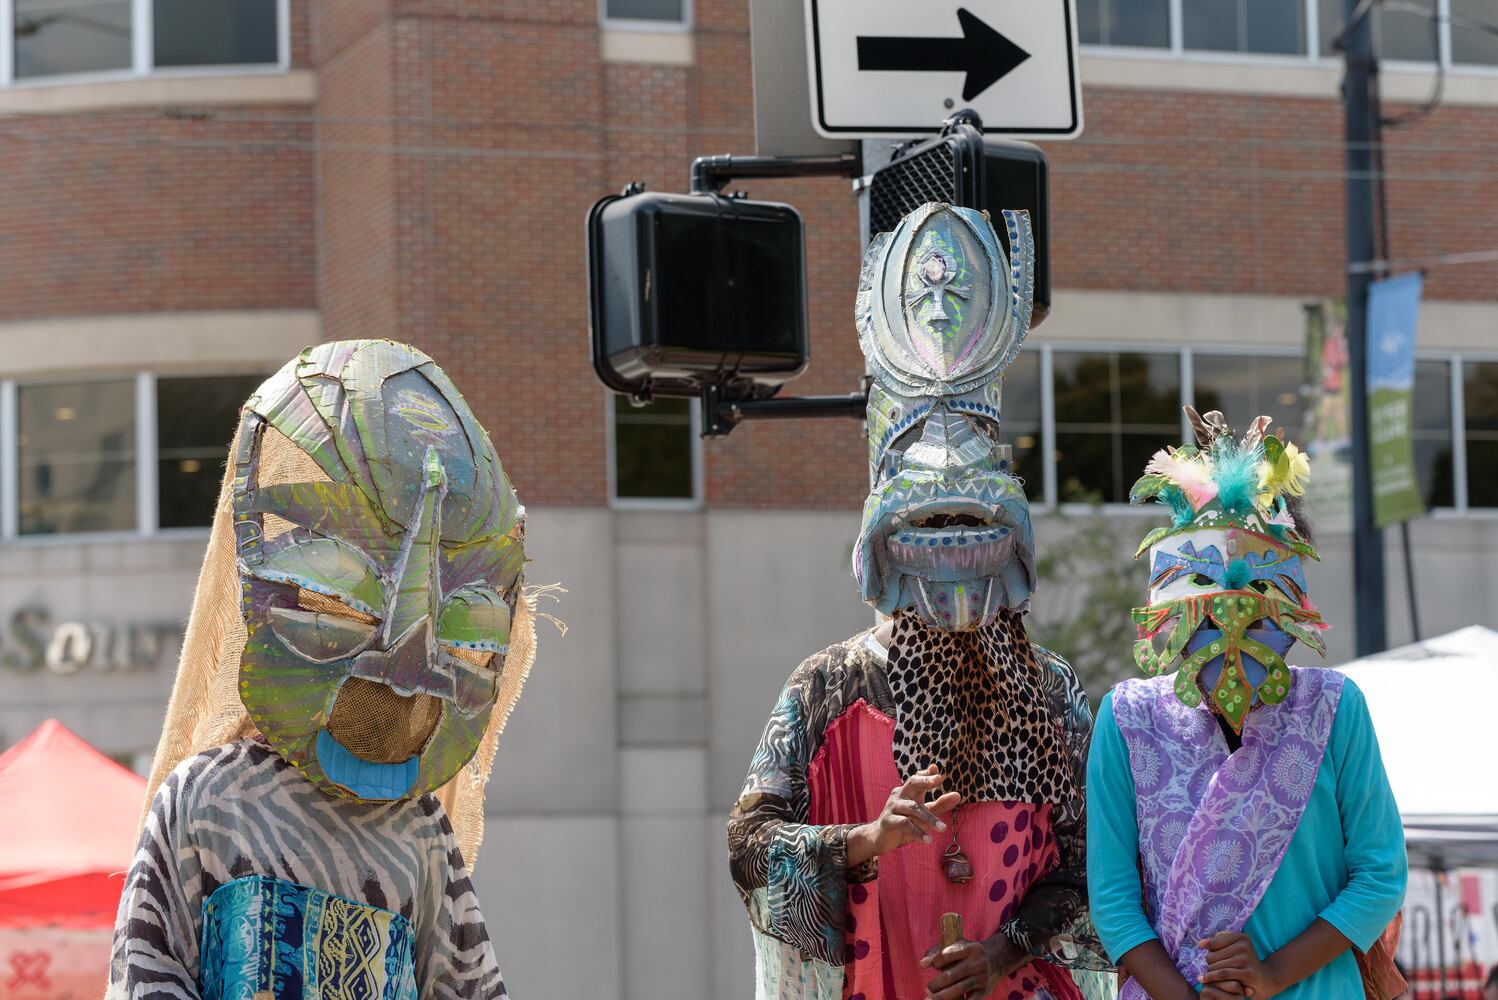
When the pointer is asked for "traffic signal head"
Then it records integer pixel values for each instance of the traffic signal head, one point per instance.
(695, 290)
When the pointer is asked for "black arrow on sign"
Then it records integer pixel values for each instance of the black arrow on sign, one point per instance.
(984, 54)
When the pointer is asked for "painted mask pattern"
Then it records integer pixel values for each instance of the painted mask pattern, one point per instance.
(1228, 593)
(389, 588)
(941, 312)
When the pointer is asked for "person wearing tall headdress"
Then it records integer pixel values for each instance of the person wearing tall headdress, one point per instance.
(931, 764)
(357, 640)
(1243, 837)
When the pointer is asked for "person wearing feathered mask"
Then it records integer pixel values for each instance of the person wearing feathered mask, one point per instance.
(1243, 839)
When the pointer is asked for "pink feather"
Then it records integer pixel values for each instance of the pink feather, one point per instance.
(1193, 476)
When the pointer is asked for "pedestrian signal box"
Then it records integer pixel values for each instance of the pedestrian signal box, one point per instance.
(960, 167)
(691, 291)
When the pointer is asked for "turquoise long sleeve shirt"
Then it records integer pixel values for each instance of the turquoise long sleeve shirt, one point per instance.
(1346, 862)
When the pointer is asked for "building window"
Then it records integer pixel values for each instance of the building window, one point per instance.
(1430, 428)
(195, 421)
(1480, 402)
(648, 13)
(1243, 386)
(1020, 424)
(68, 36)
(1113, 411)
(1410, 31)
(1132, 23)
(656, 451)
(215, 32)
(1399, 33)
(1473, 41)
(76, 457)
(1272, 26)
(1408, 35)
(56, 38)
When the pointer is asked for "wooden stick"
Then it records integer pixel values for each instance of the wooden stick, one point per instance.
(951, 929)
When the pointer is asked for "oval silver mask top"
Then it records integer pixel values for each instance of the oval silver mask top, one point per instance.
(941, 310)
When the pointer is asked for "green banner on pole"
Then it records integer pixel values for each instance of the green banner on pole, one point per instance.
(1393, 315)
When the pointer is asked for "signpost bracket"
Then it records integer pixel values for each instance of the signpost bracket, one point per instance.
(711, 173)
(719, 415)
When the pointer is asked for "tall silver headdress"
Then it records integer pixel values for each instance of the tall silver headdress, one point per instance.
(941, 312)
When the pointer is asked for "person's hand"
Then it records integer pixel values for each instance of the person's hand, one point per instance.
(970, 968)
(1232, 961)
(906, 818)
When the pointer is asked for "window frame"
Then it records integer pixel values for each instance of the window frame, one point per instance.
(147, 481)
(681, 27)
(1313, 58)
(699, 479)
(142, 53)
(1048, 391)
(10, 465)
(148, 485)
(1187, 354)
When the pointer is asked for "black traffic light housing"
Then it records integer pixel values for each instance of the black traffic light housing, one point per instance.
(696, 290)
(961, 167)
(704, 295)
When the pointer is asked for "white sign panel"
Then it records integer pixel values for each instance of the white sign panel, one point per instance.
(899, 67)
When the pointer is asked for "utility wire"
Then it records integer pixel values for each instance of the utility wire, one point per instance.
(1437, 91)
(1461, 20)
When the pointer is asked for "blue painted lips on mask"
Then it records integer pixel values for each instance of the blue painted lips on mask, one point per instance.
(365, 779)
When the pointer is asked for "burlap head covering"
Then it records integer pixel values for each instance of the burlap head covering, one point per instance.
(205, 710)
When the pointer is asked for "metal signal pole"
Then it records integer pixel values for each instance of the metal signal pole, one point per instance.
(1369, 591)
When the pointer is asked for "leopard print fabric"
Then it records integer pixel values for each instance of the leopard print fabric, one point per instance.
(975, 704)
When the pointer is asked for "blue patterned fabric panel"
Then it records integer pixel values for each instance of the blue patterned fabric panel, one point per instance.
(263, 936)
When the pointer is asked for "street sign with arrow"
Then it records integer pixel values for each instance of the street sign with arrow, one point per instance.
(899, 67)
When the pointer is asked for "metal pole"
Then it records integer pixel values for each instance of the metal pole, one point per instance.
(1367, 540)
(1441, 931)
(1409, 579)
(1385, 253)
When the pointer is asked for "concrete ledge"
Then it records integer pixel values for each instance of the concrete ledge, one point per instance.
(1274, 78)
(221, 342)
(1120, 319)
(667, 48)
(298, 86)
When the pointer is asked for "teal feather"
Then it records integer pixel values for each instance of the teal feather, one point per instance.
(1236, 473)
(1181, 511)
(1237, 576)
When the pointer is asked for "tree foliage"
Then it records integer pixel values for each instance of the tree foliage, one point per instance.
(1089, 583)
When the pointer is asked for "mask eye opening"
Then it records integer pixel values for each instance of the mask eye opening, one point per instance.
(482, 658)
(311, 600)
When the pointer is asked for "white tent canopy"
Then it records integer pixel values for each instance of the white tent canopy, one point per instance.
(1435, 707)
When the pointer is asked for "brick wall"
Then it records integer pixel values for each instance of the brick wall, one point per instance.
(1173, 191)
(141, 210)
(459, 144)
(1190, 192)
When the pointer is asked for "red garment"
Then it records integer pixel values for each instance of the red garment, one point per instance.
(895, 919)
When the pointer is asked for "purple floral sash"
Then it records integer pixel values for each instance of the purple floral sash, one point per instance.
(1214, 827)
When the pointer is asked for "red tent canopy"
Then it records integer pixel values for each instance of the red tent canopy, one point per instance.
(69, 830)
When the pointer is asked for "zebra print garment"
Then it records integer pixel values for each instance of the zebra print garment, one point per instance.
(240, 810)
